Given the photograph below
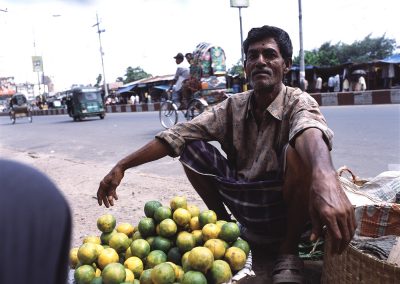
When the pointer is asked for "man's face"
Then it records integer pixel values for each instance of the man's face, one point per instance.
(265, 66)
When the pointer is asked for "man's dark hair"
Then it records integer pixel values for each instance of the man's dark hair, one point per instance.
(280, 36)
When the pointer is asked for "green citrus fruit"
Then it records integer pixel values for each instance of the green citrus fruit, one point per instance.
(84, 274)
(87, 253)
(168, 228)
(155, 257)
(147, 227)
(162, 213)
(145, 277)
(242, 244)
(140, 248)
(194, 277)
(229, 232)
(206, 217)
(220, 272)
(174, 255)
(105, 237)
(120, 242)
(161, 243)
(106, 223)
(185, 241)
(113, 273)
(163, 273)
(150, 207)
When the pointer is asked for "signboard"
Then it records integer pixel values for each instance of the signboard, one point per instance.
(239, 3)
(37, 64)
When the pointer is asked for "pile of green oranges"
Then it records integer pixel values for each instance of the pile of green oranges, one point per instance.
(172, 244)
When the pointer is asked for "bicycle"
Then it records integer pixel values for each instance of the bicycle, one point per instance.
(169, 110)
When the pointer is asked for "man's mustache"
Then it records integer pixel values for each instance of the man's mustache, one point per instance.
(262, 71)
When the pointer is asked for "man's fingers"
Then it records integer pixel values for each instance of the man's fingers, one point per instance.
(335, 235)
(346, 235)
(316, 227)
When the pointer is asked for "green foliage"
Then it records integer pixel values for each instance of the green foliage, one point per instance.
(365, 50)
(236, 69)
(134, 74)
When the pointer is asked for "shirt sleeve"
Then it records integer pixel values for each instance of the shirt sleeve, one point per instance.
(306, 114)
(208, 126)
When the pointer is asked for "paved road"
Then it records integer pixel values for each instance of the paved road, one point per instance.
(367, 138)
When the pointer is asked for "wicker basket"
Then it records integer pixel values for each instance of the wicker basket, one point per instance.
(354, 266)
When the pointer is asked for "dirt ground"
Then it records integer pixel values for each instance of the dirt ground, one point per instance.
(78, 181)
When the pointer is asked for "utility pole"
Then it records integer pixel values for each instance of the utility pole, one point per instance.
(302, 67)
(99, 31)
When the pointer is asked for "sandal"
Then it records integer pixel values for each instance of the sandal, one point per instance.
(288, 268)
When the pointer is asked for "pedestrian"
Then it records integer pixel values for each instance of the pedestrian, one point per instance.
(331, 84)
(318, 85)
(346, 85)
(277, 174)
(35, 227)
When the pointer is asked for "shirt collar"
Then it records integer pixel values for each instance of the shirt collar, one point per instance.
(275, 108)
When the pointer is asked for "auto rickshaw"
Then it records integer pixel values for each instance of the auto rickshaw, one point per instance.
(207, 81)
(85, 102)
(19, 108)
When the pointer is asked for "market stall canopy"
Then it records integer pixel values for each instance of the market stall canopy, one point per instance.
(395, 59)
(359, 72)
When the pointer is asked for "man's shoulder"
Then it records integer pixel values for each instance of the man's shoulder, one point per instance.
(296, 95)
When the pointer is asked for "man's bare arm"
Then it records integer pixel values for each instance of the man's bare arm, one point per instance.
(153, 150)
(328, 203)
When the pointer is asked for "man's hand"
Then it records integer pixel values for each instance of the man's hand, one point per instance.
(107, 191)
(330, 207)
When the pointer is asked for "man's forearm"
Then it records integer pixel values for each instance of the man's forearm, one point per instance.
(152, 151)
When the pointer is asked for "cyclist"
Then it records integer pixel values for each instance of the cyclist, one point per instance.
(181, 74)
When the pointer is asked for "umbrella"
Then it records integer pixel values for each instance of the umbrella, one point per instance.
(359, 72)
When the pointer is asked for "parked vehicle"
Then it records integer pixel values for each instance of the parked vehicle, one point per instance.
(85, 102)
(19, 108)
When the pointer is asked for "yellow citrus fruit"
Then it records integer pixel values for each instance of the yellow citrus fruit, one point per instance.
(145, 277)
(120, 242)
(221, 222)
(168, 228)
(179, 273)
(181, 217)
(242, 244)
(161, 243)
(185, 241)
(198, 237)
(136, 281)
(84, 274)
(220, 272)
(229, 232)
(92, 239)
(140, 248)
(206, 217)
(210, 231)
(105, 237)
(113, 273)
(98, 272)
(194, 223)
(126, 228)
(135, 265)
(217, 247)
(107, 256)
(194, 277)
(185, 261)
(129, 276)
(87, 253)
(106, 223)
(162, 213)
(128, 253)
(194, 210)
(163, 273)
(235, 257)
(147, 227)
(201, 259)
(155, 257)
(73, 257)
(150, 240)
(150, 207)
(178, 202)
(99, 249)
(174, 255)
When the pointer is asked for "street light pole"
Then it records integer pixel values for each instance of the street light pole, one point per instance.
(99, 31)
(302, 67)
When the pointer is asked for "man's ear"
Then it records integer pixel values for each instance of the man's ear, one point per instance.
(288, 65)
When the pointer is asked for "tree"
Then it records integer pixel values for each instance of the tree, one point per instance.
(98, 80)
(237, 69)
(134, 74)
(365, 50)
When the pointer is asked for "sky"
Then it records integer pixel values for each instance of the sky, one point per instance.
(148, 33)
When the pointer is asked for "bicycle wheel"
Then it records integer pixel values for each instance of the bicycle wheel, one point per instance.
(168, 114)
(194, 108)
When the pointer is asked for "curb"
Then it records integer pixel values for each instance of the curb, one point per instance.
(323, 99)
